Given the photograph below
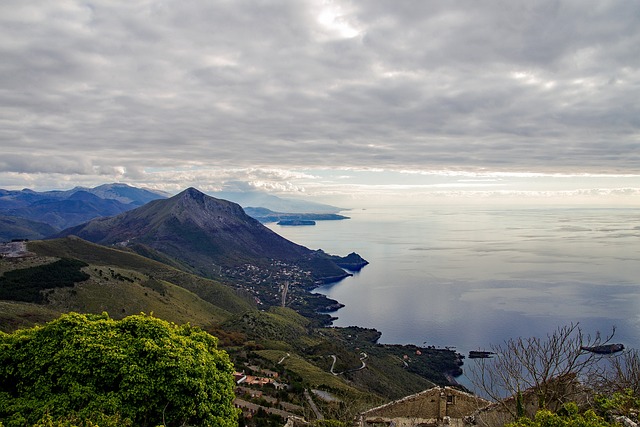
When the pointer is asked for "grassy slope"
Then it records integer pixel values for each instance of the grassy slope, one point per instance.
(123, 292)
(281, 331)
(18, 315)
(121, 284)
(209, 290)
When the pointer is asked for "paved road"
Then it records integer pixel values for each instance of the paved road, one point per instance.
(362, 359)
(283, 357)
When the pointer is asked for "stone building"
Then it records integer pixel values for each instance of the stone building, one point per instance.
(437, 406)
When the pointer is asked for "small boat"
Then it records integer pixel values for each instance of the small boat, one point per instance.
(476, 354)
(604, 349)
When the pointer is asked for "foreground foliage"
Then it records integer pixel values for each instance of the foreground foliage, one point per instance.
(569, 416)
(606, 412)
(138, 371)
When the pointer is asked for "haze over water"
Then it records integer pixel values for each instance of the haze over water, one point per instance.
(473, 276)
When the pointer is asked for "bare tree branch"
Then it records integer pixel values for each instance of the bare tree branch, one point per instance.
(521, 364)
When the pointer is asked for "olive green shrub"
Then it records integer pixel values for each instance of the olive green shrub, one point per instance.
(140, 370)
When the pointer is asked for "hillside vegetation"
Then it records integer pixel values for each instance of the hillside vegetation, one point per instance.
(211, 291)
(27, 284)
(75, 275)
(348, 363)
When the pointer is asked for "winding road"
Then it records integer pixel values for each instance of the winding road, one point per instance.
(362, 359)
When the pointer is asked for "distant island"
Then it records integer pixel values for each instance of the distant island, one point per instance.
(265, 215)
(296, 222)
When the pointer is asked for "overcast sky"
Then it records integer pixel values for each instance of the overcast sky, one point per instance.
(321, 97)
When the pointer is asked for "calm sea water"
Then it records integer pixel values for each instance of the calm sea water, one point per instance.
(469, 277)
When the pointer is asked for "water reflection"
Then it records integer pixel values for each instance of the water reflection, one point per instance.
(474, 277)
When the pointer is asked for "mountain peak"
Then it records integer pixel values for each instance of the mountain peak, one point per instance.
(192, 225)
(203, 208)
(192, 193)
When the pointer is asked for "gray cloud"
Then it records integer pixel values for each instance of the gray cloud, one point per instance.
(120, 88)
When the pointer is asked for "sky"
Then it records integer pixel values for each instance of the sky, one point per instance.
(336, 101)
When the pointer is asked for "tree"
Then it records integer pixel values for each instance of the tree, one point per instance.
(548, 368)
(140, 369)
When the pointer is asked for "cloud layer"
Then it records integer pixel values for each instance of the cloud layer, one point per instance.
(127, 89)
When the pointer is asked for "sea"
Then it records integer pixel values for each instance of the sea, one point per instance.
(469, 277)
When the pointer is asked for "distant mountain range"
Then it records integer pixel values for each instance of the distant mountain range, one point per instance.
(28, 214)
(62, 209)
(259, 199)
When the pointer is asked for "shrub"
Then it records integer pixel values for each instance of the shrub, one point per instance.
(140, 369)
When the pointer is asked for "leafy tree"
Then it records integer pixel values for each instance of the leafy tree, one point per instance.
(140, 370)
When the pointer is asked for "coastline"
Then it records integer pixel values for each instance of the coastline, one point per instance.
(414, 358)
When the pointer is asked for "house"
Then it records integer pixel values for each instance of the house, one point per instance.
(260, 381)
(437, 406)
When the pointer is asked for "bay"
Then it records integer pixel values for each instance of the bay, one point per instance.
(472, 276)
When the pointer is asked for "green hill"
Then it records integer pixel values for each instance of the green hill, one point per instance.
(113, 281)
(283, 338)
(209, 290)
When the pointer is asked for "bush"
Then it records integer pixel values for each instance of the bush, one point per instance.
(568, 416)
(139, 370)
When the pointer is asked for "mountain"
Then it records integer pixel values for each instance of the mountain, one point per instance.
(63, 209)
(79, 207)
(209, 236)
(13, 199)
(125, 193)
(20, 228)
